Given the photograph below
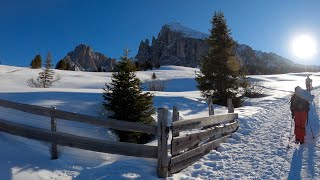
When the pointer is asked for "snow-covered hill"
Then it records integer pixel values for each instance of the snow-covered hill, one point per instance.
(256, 150)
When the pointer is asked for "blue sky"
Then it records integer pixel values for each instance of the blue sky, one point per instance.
(35, 27)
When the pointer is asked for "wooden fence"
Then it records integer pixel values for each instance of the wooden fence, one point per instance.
(182, 152)
(187, 149)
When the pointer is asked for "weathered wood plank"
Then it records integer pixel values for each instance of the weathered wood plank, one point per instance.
(230, 106)
(182, 161)
(163, 134)
(202, 122)
(203, 149)
(175, 118)
(174, 168)
(128, 149)
(54, 148)
(43, 111)
(211, 107)
(109, 123)
(181, 143)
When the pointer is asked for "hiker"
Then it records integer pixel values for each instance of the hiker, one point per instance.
(308, 83)
(299, 109)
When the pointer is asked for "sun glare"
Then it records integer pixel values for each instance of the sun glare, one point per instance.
(304, 46)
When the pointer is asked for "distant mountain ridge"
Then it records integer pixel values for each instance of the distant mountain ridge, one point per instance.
(183, 46)
(83, 58)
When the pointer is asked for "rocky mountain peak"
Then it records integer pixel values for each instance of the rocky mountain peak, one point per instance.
(83, 58)
(175, 45)
(82, 48)
(185, 31)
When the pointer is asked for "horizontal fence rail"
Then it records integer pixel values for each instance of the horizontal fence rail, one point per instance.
(202, 122)
(184, 160)
(181, 143)
(109, 123)
(80, 142)
(211, 132)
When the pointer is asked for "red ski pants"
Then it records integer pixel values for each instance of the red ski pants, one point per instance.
(300, 119)
(309, 87)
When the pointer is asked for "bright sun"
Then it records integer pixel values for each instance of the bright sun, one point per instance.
(304, 46)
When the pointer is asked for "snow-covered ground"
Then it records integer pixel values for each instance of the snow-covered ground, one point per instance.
(258, 150)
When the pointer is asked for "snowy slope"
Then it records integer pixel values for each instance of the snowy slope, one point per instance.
(257, 150)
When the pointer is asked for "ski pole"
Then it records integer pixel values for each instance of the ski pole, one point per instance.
(288, 146)
(310, 126)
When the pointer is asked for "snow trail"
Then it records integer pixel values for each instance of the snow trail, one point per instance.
(259, 149)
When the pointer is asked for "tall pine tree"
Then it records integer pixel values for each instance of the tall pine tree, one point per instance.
(125, 98)
(221, 75)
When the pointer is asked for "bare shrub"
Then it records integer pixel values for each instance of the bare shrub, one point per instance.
(33, 83)
(39, 84)
(156, 85)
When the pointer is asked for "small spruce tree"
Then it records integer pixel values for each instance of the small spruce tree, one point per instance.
(36, 62)
(124, 97)
(221, 75)
(137, 66)
(154, 77)
(147, 65)
(157, 66)
(100, 69)
(46, 77)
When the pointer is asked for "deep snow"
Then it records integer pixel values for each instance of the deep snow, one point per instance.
(258, 150)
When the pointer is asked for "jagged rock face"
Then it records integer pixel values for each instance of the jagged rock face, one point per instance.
(182, 46)
(175, 45)
(83, 58)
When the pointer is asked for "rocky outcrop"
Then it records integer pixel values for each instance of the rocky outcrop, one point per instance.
(175, 45)
(83, 58)
(182, 46)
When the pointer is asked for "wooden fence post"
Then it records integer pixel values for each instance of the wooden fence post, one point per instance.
(175, 117)
(211, 109)
(54, 149)
(230, 106)
(163, 133)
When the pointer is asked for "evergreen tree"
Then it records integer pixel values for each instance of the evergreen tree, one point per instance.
(63, 65)
(36, 62)
(221, 76)
(157, 66)
(138, 66)
(100, 69)
(46, 76)
(125, 98)
(154, 77)
(148, 65)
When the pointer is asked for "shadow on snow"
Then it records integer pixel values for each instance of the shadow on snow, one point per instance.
(308, 149)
